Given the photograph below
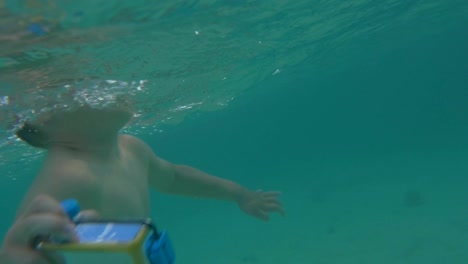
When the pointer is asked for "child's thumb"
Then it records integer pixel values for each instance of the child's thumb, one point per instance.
(87, 215)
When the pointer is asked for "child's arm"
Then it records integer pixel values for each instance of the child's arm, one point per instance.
(188, 181)
(184, 180)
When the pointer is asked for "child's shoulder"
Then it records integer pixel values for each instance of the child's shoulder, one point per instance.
(132, 143)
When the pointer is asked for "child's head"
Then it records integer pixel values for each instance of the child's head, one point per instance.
(81, 123)
(33, 135)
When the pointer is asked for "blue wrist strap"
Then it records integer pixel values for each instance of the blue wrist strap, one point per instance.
(159, 249)
(71, 207)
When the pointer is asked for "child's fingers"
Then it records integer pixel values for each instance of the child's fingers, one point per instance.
(274, 207)
(87, 215)
(43, 225)
(44, 204)
(262, 215)
(273, 200)
(271, 194)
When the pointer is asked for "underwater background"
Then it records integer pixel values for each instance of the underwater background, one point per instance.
(357, 111)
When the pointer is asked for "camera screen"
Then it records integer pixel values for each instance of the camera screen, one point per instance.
(107, 232)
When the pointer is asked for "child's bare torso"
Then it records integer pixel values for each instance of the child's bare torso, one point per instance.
(116, 187)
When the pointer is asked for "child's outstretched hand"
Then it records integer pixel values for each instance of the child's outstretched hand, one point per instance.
(259, 204)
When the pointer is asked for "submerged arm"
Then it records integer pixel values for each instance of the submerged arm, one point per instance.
(188, 181)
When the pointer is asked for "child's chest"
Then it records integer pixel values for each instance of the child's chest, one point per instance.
(116, 190)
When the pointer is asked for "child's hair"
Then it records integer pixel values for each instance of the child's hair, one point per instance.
(32, 135)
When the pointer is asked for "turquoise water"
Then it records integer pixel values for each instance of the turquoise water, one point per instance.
(356, 111)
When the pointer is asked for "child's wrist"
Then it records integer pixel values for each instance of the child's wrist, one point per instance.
(241, 194)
